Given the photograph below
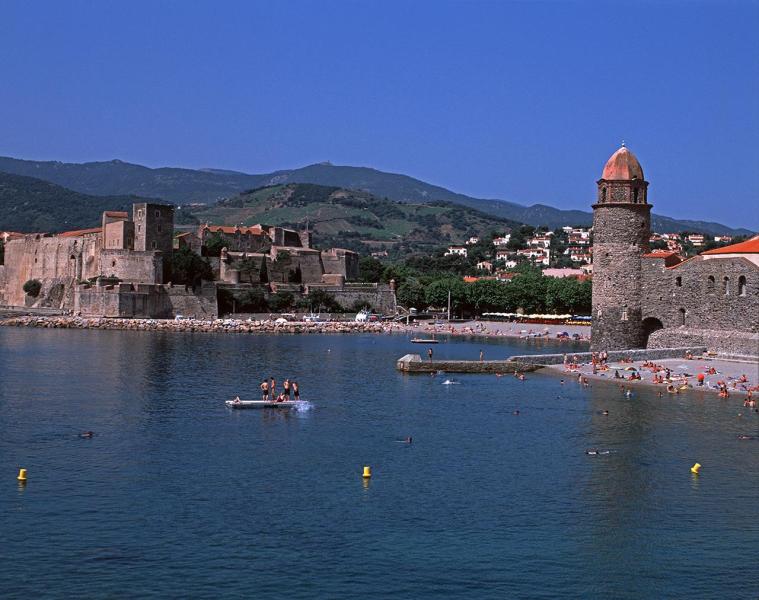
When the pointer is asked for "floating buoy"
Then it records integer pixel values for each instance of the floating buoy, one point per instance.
(22, 475)
(695, 468)
(367, 472)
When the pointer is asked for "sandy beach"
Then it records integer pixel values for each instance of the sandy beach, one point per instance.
(504, 329)
(683, 372)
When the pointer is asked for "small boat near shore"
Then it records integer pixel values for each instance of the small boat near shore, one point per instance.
(263, 403)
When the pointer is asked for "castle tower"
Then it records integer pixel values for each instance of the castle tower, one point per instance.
(154, 230)
(621, 230)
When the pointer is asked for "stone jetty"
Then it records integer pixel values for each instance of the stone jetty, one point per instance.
(413, 363)
(199, 326)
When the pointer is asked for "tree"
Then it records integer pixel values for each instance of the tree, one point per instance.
(281, 301)
(410, 294)
(32, 287)
(370, 269)
(436, 293)
(214, 244)
(188, 268)
(252, 300)
(487, 295)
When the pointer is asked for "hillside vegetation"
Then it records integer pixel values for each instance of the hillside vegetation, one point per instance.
(187, 186)
(351, 219)
(32, 205)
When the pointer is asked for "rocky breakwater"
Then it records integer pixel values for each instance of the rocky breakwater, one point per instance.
(190, 325)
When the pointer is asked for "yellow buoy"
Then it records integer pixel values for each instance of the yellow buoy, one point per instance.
(367, 472)
(695, 468)
(21, 475)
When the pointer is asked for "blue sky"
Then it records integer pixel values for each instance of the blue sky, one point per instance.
(522, 101)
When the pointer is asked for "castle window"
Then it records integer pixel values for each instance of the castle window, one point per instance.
(679, 281)
(160, 228)
(139, 228)
(603, 194)
(710, 284)
(682, 316)
(139, 213)
(153, 245)
(635, 195)
(742, 285)
(113, 263)
(726, 286)
(158, 214)
(624, 314)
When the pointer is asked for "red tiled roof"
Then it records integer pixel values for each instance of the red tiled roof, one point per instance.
(748, 247)
(80, 232)
(116, 213)
(659, 254)
(255, 229)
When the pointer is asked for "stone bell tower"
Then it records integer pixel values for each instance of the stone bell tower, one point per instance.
(621, 230)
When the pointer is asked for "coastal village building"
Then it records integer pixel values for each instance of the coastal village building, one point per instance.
(501, 241)
(457, 250)
(655, 299)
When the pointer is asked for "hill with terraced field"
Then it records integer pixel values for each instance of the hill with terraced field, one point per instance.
(350, 218)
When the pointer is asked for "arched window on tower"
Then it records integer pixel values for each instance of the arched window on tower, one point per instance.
(624, 313)
(710, 284)
(726, 286)
(742, 285)
(635, 195)
(603, 194)
(679, 281)
(682, 316)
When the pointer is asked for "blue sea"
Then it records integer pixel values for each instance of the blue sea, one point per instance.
(177, 496)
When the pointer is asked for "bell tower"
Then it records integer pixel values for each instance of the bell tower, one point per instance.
(621, 230)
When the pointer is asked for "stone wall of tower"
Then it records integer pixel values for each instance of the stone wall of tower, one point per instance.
(154, 230)
(620, 237)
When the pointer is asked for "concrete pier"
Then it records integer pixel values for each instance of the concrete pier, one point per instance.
(413, 363)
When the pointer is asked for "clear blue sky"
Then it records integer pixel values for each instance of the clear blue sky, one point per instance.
(516, 100)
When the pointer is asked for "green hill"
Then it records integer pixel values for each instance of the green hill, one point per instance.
(187, 186)
(350, 218)
(31, 205)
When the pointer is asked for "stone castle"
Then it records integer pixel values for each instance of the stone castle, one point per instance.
(645, 299)
(123, 267)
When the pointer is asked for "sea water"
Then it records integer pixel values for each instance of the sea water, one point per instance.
(178, 496)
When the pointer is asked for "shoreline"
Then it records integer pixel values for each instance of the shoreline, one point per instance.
(684, 372)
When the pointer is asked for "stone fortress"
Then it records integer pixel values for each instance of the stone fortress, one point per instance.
(645, 299)
(123, 267)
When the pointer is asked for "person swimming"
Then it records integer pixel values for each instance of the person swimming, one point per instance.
(86, 434)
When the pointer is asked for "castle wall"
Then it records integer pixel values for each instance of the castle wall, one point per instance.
(132, 266)
(721, 341)
(127, 300)
(54, 261)
(684, 296)
(379, 295)
(341, 262)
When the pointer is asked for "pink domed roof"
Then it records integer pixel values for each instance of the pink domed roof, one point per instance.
(622, 166)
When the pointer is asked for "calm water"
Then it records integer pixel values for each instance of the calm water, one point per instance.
(177, 496)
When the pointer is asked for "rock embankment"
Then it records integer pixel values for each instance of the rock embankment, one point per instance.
(189, 325)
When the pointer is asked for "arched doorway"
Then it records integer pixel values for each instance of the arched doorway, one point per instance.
(650, 324)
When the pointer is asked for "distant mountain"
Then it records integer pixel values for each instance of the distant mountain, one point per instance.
(32, 205)
(186, 186)
(351, 218)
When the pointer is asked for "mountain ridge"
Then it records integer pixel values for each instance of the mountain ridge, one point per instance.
(205, 186)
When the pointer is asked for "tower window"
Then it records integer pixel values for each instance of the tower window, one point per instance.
(742, 285)
(153, 245)
(635, 195)
(679, 281)
(726, 286)
(682, 316)
(710, 284)
(158, 214)
(603, 194)
(624, 314)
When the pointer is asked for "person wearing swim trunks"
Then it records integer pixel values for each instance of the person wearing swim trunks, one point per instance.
(264, 390)
(286, 388)
(273, 388)
(296, 391)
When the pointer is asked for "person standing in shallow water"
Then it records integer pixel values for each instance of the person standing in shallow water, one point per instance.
(296, 391)
(429, 354)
